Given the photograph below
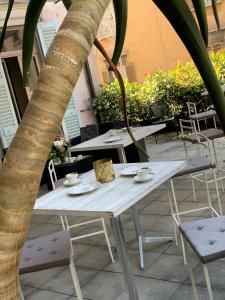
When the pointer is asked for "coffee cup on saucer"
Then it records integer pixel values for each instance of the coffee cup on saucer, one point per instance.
(143, 173)
(112, 132)
(72, 177)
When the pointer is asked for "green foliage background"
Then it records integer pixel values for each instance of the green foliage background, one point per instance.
(161, 94)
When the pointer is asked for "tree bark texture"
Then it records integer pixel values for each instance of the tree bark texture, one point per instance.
(25, 160)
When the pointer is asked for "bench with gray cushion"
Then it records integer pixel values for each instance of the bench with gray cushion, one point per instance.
(207, 239)
(211, 134)
(197, 168)
(49, 252)
(196, 164)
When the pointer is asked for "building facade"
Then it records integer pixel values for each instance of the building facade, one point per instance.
(151, 42)
(14, 98)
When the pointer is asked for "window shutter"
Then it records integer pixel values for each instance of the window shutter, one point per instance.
(8, 120)
(46, 33)
(130, 72)
(105, 76)
(71, 122)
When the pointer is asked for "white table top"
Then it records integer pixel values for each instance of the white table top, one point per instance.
(110, 199)
(98, 142)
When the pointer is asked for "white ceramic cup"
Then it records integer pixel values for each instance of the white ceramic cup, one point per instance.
(112, 132)
(143, 173)
(72, 177)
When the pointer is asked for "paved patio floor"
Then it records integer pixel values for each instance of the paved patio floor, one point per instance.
(164, 278)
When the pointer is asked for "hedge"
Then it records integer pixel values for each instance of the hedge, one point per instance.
(161, 94)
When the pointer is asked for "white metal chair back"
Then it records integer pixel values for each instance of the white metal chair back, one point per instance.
(52, 174)
(187, 125)
(191, 108)
(200, 138)
(65, 223)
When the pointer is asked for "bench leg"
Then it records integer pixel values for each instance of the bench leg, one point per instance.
(191, 271)
(21, 292)
(206, 273)
(75, 279)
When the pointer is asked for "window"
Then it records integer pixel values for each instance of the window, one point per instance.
(126, 69)
(215, 47)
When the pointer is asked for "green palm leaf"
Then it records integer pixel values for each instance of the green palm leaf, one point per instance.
(199, 6)
(181, 18)
(33, 12)
(67, 3)
(215, 12)
(120, 8)
(2, 34)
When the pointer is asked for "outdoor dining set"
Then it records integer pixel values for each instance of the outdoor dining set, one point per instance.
(110, 189)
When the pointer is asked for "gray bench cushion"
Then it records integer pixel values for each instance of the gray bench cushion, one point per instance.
(196, 164)
(206, 237)
(45, 253)
(211, 134)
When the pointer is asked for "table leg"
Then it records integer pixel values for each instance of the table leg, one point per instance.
(142, 240)
(122, 155)
(142, 156)
(123, 256)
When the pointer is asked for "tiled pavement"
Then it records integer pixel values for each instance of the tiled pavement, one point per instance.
(164, 277)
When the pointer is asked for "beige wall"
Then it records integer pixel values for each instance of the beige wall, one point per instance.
(151, 41)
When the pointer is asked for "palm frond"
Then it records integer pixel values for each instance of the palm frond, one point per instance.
(200, 10)
(33, 12)
(215, 12)
(2, 34)
(181, 18)
(67, 3)
(121, 10)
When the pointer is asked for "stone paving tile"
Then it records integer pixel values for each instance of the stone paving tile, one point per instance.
(146, 222)
(216, 273)
(95, 257)
(110, 286)
(27, 290)
(37, 279)
(48, 295)
(62, 282)
(166, 223)
(170, 268)
(184, 292)
(37, 230)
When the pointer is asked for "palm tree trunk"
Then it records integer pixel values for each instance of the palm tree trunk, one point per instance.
(25, 160)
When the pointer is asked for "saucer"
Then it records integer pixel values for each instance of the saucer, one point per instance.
(112, 139)
(131, 171)
(148, 177)
(67, 183)
(84, 188)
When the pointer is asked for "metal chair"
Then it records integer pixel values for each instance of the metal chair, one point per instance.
(65, 222)
(89, 132)
(203, 116)
(199, 167)
(206, 238)
(49, 252)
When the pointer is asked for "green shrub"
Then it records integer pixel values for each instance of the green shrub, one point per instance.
(109, 105)
(161, 94)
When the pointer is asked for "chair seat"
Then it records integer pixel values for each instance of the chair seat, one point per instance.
(204, 115)
(46, 252)
(196, 164)
(206, 237)
(211, 134)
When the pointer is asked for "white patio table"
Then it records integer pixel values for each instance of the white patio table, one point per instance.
(110, 200)
(99, 142)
